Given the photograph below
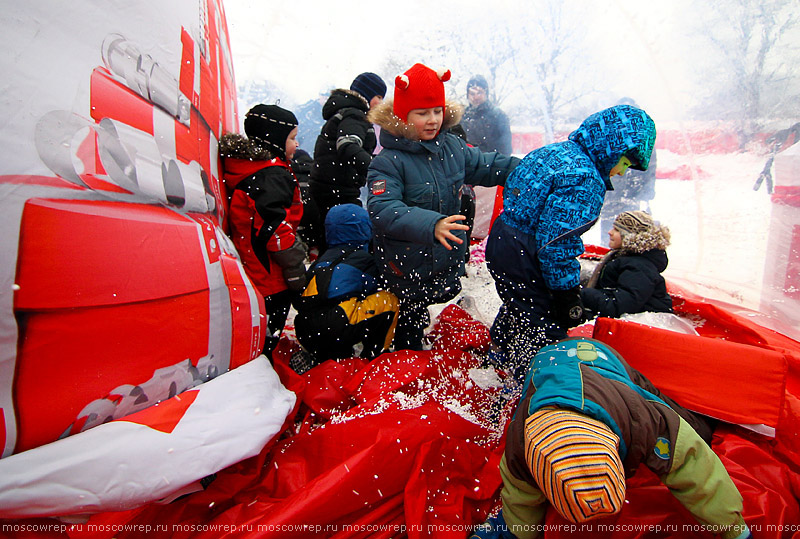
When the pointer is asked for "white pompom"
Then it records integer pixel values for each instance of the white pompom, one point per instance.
(401, 81)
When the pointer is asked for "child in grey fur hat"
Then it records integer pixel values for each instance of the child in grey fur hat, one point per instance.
(628, 279)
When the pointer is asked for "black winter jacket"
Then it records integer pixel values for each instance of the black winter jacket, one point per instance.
(630, 283)
(344, 147)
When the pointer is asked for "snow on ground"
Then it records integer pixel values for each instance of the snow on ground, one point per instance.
(718, 223)
(719, 226)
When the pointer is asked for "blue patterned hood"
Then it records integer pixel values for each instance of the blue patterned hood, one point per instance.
(611, 133)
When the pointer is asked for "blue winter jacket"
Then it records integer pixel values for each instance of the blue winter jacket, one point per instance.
(412, 185)
(556, 192)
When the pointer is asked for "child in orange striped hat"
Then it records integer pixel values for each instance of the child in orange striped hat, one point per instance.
(586, 421)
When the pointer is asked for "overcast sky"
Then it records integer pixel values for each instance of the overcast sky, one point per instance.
(315, 45)
(318, 45)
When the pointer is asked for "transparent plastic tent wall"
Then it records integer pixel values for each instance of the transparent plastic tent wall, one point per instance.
(719, 85)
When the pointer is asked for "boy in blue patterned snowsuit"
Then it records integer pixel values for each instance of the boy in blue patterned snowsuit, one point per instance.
(551, 198)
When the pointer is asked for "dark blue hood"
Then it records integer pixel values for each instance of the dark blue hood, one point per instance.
(611, 133)
(348, 224)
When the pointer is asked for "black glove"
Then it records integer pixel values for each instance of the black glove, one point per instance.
(567, 307)
(292, 262)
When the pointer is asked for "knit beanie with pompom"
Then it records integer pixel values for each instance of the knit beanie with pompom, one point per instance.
(420, 87)
(640, 233)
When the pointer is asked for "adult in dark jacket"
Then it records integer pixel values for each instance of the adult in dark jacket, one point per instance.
(553, 196)
(486, 125)
(415, 196)
(585, 423)
(632, 192)
(345, 144)
(628, 279)
(342, 304)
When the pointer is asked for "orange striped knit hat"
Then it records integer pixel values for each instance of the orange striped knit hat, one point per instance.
(575, 461)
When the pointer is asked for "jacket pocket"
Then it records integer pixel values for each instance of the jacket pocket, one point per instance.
(406, 260)
(420, 195)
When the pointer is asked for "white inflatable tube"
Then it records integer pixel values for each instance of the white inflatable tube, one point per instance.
(121, 465)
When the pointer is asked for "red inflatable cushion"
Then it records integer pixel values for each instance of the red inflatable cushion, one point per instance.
(710, 376)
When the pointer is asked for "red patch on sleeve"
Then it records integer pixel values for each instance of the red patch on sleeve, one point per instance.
(378, 187)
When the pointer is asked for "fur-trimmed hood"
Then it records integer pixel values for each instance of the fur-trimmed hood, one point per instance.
(243, 157)
(383, 116)
(640, 232)
(237, 146)
(342, 98)
(656, 238)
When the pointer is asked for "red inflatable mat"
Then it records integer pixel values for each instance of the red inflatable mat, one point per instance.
(408, 446)
(711, 376)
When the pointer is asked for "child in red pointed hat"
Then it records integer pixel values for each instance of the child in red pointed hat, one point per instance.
(414, 196)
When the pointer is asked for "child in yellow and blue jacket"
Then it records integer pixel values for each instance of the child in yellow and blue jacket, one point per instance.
(342, 304)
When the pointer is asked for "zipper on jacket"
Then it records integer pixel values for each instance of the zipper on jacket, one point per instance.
(435, 184)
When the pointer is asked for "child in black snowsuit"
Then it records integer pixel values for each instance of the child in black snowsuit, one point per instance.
(345, 145)
(628, 279)
(342, 305)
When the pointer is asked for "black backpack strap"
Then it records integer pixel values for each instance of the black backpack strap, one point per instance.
(319, 278)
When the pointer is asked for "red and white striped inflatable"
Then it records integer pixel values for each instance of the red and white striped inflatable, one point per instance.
(129, 334)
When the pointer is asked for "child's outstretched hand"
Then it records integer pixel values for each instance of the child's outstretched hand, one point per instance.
(443, 227)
